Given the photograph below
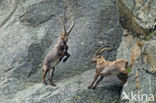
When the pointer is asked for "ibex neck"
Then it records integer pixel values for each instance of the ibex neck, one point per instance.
(101, 60)
(61, 42)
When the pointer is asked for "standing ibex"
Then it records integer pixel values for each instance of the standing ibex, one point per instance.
(56, 54)
(105, 68)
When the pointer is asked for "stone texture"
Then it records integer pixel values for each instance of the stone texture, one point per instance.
(29, 29)
(144, 11)
(129, 22)
(142, 78)
(73, 90)
(137, 49)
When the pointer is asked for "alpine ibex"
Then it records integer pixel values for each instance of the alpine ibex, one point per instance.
(105, 68)
(56, 54)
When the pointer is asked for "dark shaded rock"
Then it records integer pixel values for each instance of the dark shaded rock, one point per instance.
(128, 20)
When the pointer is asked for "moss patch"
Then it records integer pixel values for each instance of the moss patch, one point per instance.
(129, 69)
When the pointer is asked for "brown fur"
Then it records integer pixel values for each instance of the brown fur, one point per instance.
(106, 68)
(58, 52)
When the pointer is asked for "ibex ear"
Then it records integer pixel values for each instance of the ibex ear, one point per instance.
(99, 56)
(100, 61)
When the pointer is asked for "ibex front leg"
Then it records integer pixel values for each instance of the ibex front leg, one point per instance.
(67, 56)
(100, 79)
(51, 76)
(95, 78)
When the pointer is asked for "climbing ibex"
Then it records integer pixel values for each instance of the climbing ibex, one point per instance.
(56, 54)
(105, 68)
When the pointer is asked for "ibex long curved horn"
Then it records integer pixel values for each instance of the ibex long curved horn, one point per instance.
(101, 49)
(63, 26)
(71, 27)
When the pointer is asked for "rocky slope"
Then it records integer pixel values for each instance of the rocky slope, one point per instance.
(29, 29)
(73, 90)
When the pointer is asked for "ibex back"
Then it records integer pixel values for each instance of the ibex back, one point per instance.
(58, 52)
(105, 68)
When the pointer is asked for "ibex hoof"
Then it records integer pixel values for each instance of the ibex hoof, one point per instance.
(94, 88)
(45, 83)
(52, 84)
(64, 60)
(89, 87)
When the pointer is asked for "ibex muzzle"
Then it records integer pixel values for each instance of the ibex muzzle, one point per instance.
(105, 68)
(58, 52)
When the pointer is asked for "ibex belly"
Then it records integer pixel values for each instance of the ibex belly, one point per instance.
(115, 72)
(54, 63)
(110, 71)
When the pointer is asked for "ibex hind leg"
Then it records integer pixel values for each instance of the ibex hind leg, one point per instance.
(51, 77)
(45, 71)
(123, 70)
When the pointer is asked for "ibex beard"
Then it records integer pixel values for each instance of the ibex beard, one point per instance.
(58, 52)
(105, 68)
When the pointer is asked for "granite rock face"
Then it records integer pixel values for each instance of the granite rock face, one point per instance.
(143, 11)
(139, 50)
(28, 31)
(30, 28)
(142, 78)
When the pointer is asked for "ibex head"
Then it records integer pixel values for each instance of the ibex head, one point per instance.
(64, 35)
(97, 54)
